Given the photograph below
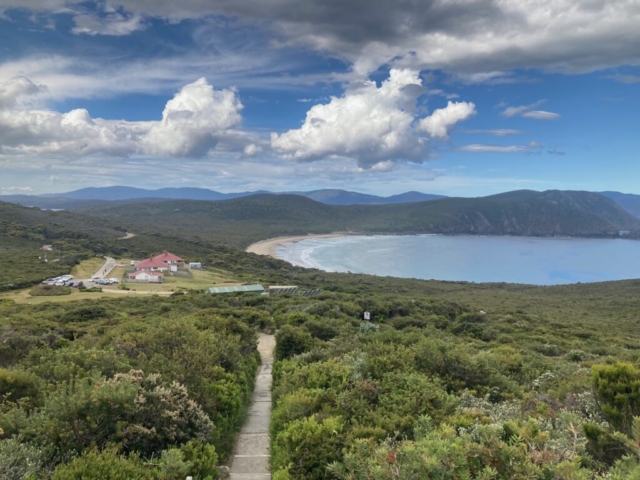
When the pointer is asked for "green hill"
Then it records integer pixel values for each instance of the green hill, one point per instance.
(244, 220)
(71, 237)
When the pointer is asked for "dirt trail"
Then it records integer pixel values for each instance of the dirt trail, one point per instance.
(250, 459)
(127, 236)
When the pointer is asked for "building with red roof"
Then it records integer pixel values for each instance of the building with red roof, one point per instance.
(168, 258)
(147, 276)
(152, 264)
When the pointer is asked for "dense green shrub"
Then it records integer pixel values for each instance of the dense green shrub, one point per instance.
(75, 361)
(617, 389)
(19, 385)
(292, 341)
(140, 412)
(323, 329)
(307, 446)
(86, 313)
(105, 465)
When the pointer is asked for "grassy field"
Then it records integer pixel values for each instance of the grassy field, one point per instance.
(202, 279)
(23, 297)
(87, 268)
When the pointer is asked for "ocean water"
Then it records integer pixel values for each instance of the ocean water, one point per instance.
(539, 261)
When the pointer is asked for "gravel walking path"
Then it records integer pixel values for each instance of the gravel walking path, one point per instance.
(250, 460)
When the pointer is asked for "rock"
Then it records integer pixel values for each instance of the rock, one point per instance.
(224, 471)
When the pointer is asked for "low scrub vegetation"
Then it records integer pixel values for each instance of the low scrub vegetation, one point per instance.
(49, 291)
(432, 389)
(132, 388)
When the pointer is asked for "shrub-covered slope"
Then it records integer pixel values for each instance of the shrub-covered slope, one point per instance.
(242, 221)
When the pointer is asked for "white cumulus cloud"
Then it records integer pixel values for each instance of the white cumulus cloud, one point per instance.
(371, 124)
(192, 120)
(440, 122)
(192, 124)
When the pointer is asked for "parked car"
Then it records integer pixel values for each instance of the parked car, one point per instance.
(114, 280)
(78, 284)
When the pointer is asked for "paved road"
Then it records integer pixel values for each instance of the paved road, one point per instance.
(105, 269)
(250, 459)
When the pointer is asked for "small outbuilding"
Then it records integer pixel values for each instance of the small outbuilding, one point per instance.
(195, 265)
(283, 290)
(259, 289)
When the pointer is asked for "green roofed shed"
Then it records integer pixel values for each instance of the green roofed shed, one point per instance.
(239, 289)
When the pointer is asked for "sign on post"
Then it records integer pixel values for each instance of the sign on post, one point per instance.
(367, 316)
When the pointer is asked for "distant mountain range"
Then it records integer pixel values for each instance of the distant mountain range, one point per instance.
(96, 196)
(631, 203)
(117, 195)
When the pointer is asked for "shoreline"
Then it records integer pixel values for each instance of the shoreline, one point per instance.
(268, 247)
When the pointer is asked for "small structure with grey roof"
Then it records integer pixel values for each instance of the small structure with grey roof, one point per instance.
(237, 289)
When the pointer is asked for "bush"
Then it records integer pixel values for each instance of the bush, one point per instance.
(90, 290)
(617, 390)
(194, 459)
(106, 465)
(19, 385)
(306, 447)
(85, 313)
(322, 329)
(19, 461)
(73, 362)
(49, 291)
(292, 341)
(140, 412)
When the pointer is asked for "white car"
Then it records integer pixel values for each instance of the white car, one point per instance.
(114, 280)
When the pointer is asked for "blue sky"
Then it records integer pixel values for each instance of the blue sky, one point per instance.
(456, 98)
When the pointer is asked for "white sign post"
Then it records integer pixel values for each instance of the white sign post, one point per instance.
(367, 316)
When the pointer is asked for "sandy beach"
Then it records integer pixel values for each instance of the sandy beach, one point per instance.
(268, 247)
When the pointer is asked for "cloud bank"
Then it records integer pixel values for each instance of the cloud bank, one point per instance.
(481, 36)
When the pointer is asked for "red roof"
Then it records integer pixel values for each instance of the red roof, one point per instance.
(167, 257)
(155, 274)
(151, 263)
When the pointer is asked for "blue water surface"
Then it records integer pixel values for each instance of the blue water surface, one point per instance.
(540, 261)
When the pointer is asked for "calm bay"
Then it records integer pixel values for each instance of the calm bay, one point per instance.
(529, 260)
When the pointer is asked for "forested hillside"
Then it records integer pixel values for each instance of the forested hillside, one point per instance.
(245, 220)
